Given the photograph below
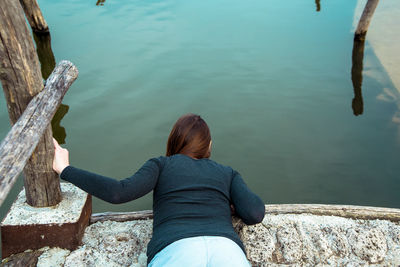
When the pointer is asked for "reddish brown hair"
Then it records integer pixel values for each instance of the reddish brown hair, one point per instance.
(190, 136)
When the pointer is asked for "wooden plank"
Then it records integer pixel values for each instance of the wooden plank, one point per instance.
(121, 216)
(347, 211)
(22, 139)
(365, 19)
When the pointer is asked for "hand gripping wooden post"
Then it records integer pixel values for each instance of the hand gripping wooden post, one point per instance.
(22, 139)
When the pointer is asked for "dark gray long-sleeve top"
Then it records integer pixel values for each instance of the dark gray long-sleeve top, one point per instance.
(191, 197)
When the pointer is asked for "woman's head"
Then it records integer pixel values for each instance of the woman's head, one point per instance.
(190, 136)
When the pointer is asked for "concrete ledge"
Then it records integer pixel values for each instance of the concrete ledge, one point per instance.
(63, 225)
(284, 238)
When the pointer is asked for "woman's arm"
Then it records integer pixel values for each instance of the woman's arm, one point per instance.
(105, 188)
(111, 190)
(248, 206)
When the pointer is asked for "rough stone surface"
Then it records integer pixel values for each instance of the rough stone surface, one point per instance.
(113, 244)
(280, 240)
(311, 240)
(54, 257)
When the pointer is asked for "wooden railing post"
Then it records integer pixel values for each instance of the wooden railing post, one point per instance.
(21, 79)
(365, 19)
(23, 137)
(34, 16)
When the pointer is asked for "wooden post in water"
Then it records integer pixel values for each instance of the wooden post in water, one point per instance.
(21, 79)
(365, 19)
(34, 16)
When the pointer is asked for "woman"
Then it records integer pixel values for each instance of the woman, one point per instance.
(192, 199)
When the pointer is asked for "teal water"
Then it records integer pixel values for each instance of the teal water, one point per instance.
(271, 78)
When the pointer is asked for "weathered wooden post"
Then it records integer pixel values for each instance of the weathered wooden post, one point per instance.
(26, 133)
(358, 55)
(34, 16)
(365, 19)
(22, 80)
(23, 227)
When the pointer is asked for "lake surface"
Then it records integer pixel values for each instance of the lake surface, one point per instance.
(271, 78)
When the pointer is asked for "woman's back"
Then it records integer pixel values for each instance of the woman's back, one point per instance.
(196, 188)
(191, 198)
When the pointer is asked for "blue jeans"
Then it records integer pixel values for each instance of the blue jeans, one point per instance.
(201, 251)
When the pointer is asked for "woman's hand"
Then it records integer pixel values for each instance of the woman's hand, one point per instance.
(61, 158)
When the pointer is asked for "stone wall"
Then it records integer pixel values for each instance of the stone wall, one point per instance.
(285, 239)
(281, 239)
(311, 240)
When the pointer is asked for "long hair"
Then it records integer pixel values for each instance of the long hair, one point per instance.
(190, 136)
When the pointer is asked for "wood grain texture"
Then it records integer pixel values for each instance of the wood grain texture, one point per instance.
(34, 16)
(121, 216)
(19, 65)
(21, 79)
(365, 19)
(22, 139)
(346, 211)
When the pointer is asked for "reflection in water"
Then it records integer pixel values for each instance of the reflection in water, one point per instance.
(318, 3)
(356, 76)
(45, 54)
(47, 63)
(100, 2)
(59, 132)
